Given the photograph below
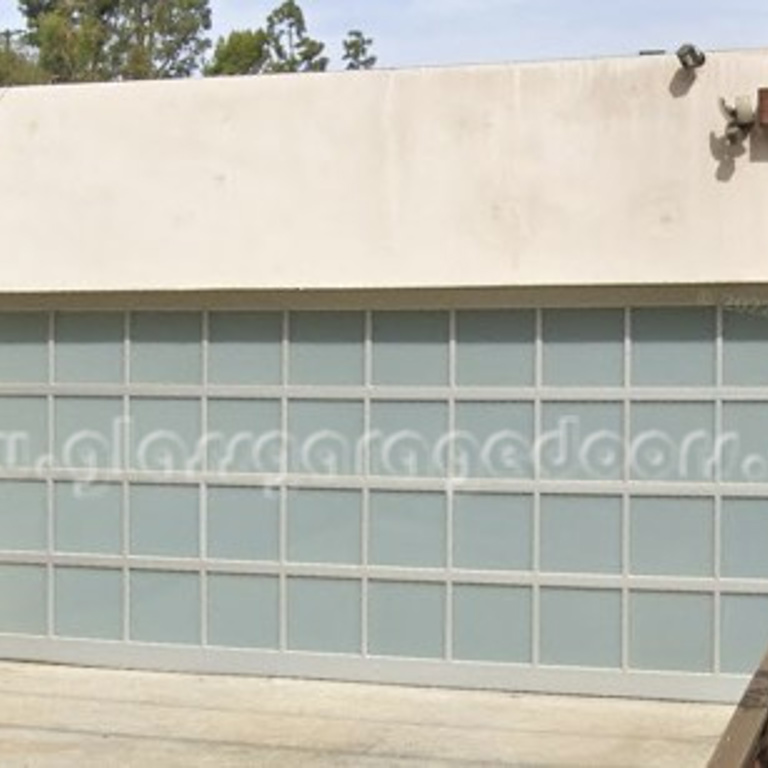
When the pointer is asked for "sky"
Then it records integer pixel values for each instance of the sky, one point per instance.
(440, 32)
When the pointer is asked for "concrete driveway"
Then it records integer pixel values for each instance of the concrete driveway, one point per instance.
(83, 718)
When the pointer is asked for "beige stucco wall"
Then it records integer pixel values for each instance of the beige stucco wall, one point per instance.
(565, 173)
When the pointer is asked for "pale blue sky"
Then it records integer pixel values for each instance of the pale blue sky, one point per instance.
(413, 32)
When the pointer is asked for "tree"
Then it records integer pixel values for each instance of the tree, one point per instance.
(73, 42)
(17, 64)
(32, 10)
(289, 47)
(81, 40)
(89, 40)
(357, 51)
(242, 52)
(161, 38)
(284, 45)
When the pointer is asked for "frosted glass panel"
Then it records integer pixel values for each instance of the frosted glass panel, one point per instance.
(408, 438)
(582, 441)
(164, 521)
(580, 627)
(745, 538)
(23, 516)
(244, 436)
(391, 445)
(89, 431)
(23, 599)
(243, 611)
(410, 348)
(324, 436)
(492, 531)
(745, 349)
(324, 615)
(165, 434)
(165, 607)
(672, 441)
(89, 347)
(495, 439)
(491, 623)
(88, 518)
(672, 537)
(671, 631)
(673, 347)
(583, 347)
(324, 526)
(406, 619)
(581, 534)
(166, 347)
(327, 348)
(23, 347)
(407, 529)
(243, 523)
(744, 633)
(745, 458)
(495, 348)
(89, 603)
(245, 347)
(25, 422)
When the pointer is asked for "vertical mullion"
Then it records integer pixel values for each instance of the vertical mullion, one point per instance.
(366, 471)
(49, 485)
(717, 469)
(625, 498)
(449, 500)
(126, 460)
(537, 417)
(203, 486)
(284, 466)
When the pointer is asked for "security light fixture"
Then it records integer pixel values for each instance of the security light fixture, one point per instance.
(741, 117)
(691, 57)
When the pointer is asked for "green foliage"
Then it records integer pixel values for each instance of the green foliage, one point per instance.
(82, 40)
(284, 45)
(242, 52)
(357, 51)
(161, 38)
(17, 64)
(289, 47)
(90, 40)
(73, 43)
(32, 10)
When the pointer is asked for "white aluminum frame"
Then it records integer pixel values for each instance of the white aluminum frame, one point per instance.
(714, 686)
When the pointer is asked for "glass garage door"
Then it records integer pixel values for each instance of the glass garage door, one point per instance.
(558, 500)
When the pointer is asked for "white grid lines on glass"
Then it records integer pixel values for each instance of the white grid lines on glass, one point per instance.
(718, 498)
(202, 501)
(626, 473)
(733, 382)
(538, 362)
(365, 526)
(450, 492)
(125, 485)
(285, 362)
(51, 357)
